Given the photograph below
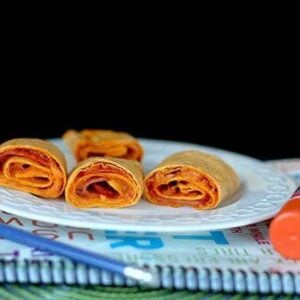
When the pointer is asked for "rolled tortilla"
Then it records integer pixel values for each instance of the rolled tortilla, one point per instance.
(104, 143)
(105, 182)
(191, 178)
(34, 166)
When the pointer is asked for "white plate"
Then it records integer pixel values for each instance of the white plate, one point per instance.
(263, 192)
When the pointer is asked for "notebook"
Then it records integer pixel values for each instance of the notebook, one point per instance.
(234, 260)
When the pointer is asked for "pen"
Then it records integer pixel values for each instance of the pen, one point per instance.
(75, 254)
(285, 228)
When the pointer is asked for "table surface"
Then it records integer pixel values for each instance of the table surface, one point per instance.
(37, 292)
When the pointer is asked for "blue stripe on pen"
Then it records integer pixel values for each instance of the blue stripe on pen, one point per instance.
(73, 253)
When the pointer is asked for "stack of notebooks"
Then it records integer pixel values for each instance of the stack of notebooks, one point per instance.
(234, 260)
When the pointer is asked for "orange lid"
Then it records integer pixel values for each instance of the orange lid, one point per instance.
(285, 230)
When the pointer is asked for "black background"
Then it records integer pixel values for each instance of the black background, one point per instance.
(246, 98)
(255, 128)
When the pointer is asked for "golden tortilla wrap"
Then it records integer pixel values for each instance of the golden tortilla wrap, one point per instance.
(191, 178)
(34, 166)
(105, 182)
(104, 143)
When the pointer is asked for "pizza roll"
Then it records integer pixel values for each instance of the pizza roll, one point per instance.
(34, 166)
(191, 178)
(105, 182)
(104, 143)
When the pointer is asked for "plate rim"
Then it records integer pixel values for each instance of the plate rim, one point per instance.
(160, 228)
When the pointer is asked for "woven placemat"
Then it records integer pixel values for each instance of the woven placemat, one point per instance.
(63, 292)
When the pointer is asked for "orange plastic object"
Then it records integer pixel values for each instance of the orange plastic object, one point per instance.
(285, 229)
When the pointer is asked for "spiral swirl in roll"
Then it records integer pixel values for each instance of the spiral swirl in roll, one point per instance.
(105, 143)
(34, 166)
(191, 178)
(105, 182)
